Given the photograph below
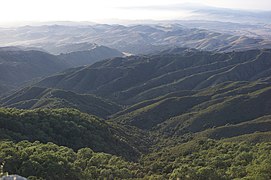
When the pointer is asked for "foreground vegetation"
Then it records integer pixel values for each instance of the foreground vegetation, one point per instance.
(212, 160)
(200, 161)
(50, 161)
(66, 127)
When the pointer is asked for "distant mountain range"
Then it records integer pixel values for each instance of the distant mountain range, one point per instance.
(138, 39)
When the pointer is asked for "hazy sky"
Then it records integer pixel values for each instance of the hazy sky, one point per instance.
(96, 10)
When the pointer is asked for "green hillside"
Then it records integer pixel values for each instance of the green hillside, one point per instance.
(262, 124)
(219, 112)
(19, 67)
(37, 97)
(134, 79)
(180, 112)
(66, 127)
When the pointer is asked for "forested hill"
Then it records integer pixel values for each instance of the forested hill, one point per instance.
(68, 127)
(133, 79)
(19, 66)
(37, 97)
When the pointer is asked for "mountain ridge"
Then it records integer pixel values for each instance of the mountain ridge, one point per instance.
(141, 77)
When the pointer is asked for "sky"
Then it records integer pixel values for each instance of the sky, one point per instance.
(102, 10)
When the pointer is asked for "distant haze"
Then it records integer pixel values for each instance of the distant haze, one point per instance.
(18, 11)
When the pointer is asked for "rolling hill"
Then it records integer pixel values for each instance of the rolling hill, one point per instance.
(180, 113)
(67, 127)
(89, 56)
(215, 113)
(134, 79)
(36, 97)
(19, 67)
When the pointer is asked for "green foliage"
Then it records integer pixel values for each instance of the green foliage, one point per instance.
(214, 160)
(209, 159)
(49, 161)
(67, 127)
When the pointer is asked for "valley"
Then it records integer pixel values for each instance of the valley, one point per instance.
(185, 99)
